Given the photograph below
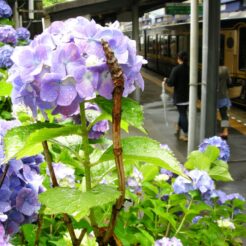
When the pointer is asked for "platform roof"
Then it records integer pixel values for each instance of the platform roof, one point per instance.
(102, 9)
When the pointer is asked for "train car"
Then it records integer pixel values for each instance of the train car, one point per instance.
(160, 45)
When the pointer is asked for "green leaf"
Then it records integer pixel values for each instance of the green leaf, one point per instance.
(146, 150)
(76, 203)
(132, 112)
(26, 140)
(5, 88)
(6, 21)
(29, 231)
(220, 171)
(149, 171)
(198, 160)
(212, 152)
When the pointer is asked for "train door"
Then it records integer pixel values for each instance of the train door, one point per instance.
(241, 75)
(229, 41)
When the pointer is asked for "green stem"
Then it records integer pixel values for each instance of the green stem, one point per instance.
(183, 219)
(85, 146)
(86, 161)
(168, 225)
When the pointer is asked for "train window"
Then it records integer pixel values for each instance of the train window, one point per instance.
(230, 42)
(164, 45)
(150, 44)
(182, 43)
(173, 46)
(242, 49)
(141, 45)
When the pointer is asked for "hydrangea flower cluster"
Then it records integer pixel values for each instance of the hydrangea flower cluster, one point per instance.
(19, 191)
(134, 181)
(200, 180)
(66, 64)
(4, 239)
(5, 54)
(92, 111)
(219, 143)
(8, 35)
(223, 197)
(165, 241)
(22, 34)
(5, 10)
(65, 175)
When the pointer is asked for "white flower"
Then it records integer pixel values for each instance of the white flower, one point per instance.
(161, 177)
(226, 223)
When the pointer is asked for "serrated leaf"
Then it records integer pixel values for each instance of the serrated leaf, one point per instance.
(132, 112)
(25, 140)
(76, 203)
(146, 150)
(220, 173)
(198, 160)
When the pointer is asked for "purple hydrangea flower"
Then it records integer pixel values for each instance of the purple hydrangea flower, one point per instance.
(200, 180)
(196, 219)
(5, 10)
(5, 54)
(223, 197)
(22, 34)
(8, 35)
(182, 185)
(4, 239)
(165, 171)
(64, 175)
(19, 191)
(134, 182)
(66, 65)
(219, 143)
(165, 241)
(27, 201)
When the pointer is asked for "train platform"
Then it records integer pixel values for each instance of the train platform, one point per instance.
(162, 129)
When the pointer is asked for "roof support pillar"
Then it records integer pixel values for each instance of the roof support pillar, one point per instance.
(193, 75)
(210, 64)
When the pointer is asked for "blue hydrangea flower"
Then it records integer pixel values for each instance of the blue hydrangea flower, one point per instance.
(8, 35)
(200, 180)
(23, 34)
(134, 182)
(64, 174)
(196, 219)
(4, 239)
(223, 197)
(5, 10)
(27, 201)
(218, 142)
(165, 241)
(182, 185)
(73, 50)
(5, 54)
(20, 189)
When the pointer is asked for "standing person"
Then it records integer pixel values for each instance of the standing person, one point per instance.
(179, 79)
(223, 101)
